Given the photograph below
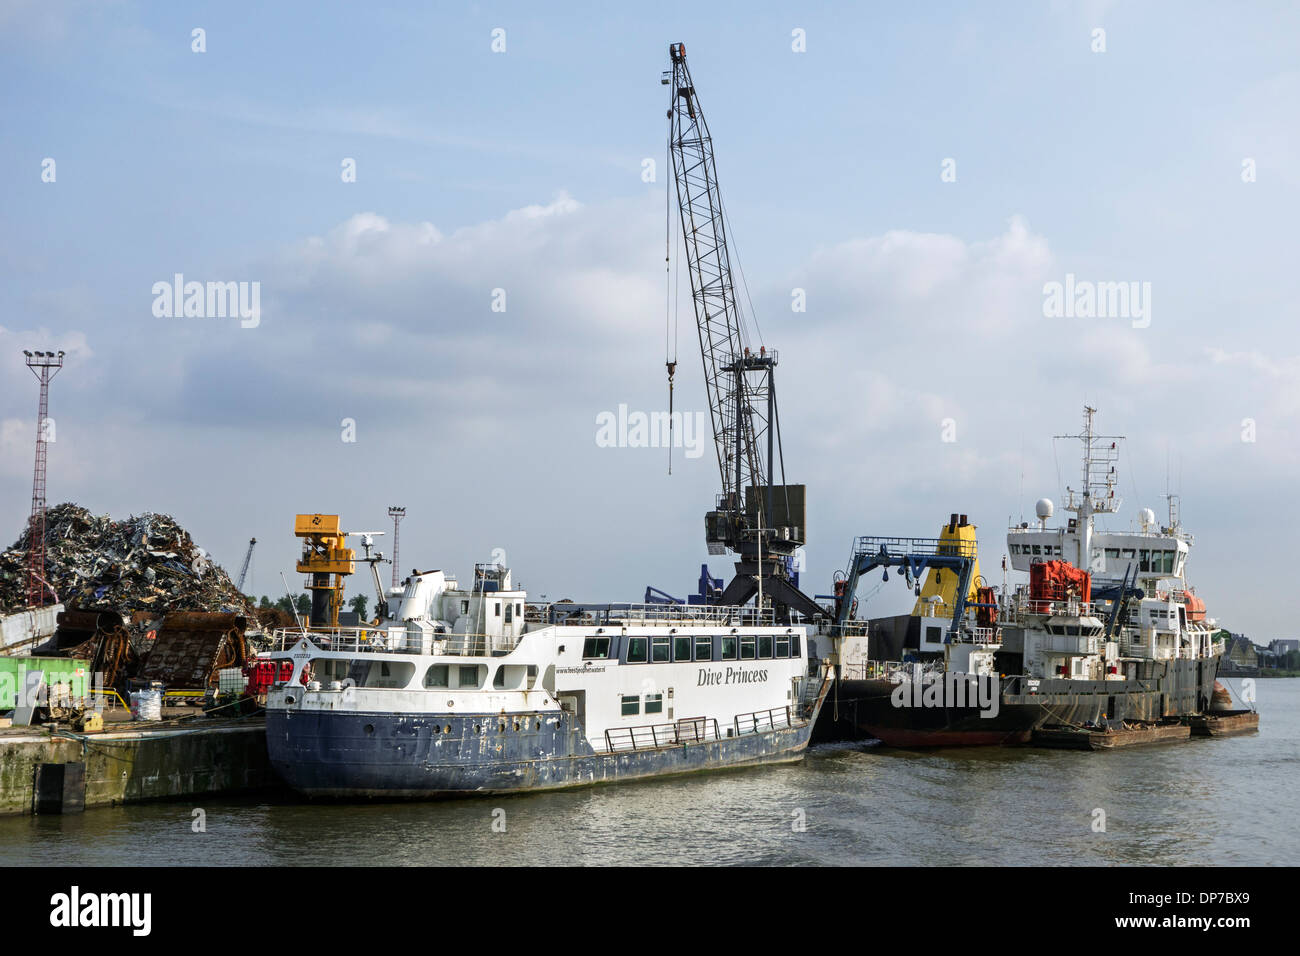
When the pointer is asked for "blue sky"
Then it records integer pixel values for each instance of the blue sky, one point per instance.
(924, 296)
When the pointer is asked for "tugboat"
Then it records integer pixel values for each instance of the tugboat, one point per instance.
(477, 691)
(1106, 634)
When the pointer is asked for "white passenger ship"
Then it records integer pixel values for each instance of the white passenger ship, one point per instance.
(477, 691)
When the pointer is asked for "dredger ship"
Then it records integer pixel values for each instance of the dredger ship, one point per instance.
(1106, 630)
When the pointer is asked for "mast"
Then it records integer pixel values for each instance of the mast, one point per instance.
(1097, 492)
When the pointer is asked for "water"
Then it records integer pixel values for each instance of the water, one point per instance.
(1205, 801)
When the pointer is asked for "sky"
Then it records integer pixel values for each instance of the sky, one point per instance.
(445, 329)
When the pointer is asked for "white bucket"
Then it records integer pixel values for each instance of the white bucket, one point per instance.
(146, 705)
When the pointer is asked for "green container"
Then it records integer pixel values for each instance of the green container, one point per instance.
(57, 670)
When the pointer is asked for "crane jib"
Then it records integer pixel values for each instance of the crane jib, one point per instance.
(756, 516)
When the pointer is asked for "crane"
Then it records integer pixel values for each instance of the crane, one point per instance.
(759, 519)
(243, 571)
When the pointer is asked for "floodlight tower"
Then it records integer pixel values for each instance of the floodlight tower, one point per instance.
(44, 365)
(397, 514)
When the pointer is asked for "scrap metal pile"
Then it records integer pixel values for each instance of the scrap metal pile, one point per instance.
(145, 563)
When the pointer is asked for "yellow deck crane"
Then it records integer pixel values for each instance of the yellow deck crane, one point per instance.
(327, 561)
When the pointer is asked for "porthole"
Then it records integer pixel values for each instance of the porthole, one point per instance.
(370, 728)
(516, 726)
(448, 729)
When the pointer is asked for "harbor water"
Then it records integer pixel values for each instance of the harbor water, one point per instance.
(1203, 801)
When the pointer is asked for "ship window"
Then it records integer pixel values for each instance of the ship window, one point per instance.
(519, 609)
(1037, 550)
(794, 646)
(467, 675)
(496, 608)
(636, 650)
(765, 645)
(595, 647)
(681, 648)
(631, 705)
(437, 676)
(728, 649)
(388, 674)
(464, 607)
(1072, 630)
(499, 679)
(783, 645)
(1112, 554)
(747, 647)
(1144, 560)
(1168, 565)
(654, 703)
(1129, 553)
(510, 615)
(659, 648)
(703, 648)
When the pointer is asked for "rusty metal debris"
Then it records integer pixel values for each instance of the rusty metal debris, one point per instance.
(102, 638)
(191, 647)
(146, 562)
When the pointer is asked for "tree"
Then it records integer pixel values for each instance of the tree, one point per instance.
(304, 604)
(265, 602)
(358, 604)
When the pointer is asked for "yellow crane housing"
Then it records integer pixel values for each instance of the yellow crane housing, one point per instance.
(327, 562)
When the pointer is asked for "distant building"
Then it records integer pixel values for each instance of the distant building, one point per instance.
(1281, 646)
(1241, 654)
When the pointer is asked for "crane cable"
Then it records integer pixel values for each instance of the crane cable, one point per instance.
(670, 319)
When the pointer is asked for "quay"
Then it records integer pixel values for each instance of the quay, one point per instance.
(55, 770)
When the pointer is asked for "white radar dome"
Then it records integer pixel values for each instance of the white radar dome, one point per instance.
(1147, 517)
(1044, 508)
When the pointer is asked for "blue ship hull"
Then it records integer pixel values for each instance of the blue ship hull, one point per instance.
(334, 754)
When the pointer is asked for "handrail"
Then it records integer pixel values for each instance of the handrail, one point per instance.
(358, 640)
(661, 735)
(755, 719)
(648, 614)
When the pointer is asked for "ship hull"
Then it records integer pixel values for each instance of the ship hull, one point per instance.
(405, 756)
(866, 709)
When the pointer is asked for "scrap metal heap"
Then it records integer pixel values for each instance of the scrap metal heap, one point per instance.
(142, 601)
(147, 562)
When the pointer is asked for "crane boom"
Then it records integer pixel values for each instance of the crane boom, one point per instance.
(243, 571)
(761, 520)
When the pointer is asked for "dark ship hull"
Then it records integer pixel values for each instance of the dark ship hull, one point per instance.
(1152, 690)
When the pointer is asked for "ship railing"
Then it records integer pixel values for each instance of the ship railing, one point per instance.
(649, 614)
(1022, 606)
(653, 736)
(760, 720)
(360, 640)
(868, 544)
